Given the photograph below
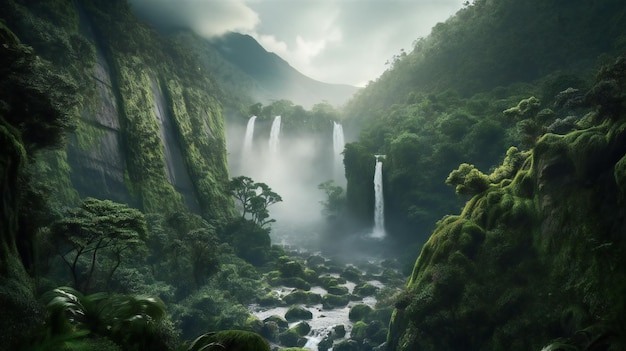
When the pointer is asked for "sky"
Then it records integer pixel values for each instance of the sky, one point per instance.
(333, 41)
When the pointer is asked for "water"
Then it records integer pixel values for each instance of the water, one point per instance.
(275, 136)
(338, 145)
(379, 204)
(247, 140)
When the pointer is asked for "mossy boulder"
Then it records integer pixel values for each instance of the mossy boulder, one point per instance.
(339, 331)
(291, 338)
(302, 297)
(280, 321)
(376, 331)
(270, 331)
(298, 313)
(359, 331)
(359, 312)
(295, 282)
(365, 289)
(330, 301)
(310, 276)
(314, 261)
(291, 269)
(302, 328)
(352, 274)
(232, 340)
(330, 281)
(269, 299)
(346, 345)
(338, 290)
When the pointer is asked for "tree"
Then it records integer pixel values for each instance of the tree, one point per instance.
(254, 198)
(335, 201)
(97, 226)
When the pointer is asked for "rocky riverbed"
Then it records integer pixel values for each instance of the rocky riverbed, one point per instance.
(317, 303)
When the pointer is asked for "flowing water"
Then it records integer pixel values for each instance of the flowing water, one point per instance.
(275, 136)
(338, 145)
(379, 204)
(247, 140)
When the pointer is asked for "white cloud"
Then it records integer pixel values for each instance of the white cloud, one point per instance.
(335, 41)
(206, 17)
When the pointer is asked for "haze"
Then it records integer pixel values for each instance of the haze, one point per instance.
(347, 42)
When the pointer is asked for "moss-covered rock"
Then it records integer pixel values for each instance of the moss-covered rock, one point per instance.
(280, 321)
(302, 328)
(302, 297)
(235, 340)
(330, 301)
(346, 345)
(365, 289)
(291, 338)
(359, 312)
(338, 290)
(297, 313)
(352, 274)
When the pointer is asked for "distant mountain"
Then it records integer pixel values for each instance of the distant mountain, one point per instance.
(273, 77)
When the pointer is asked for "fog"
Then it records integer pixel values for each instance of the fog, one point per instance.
(294, 171)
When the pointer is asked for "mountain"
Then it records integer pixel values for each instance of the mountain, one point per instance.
(275, 79)
(504, 140)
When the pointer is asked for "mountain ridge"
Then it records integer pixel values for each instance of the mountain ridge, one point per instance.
(276, 78)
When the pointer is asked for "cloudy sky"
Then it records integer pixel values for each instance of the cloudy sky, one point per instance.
(334, 41)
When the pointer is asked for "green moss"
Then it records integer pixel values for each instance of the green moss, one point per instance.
(359, 330)
(232, 340)
(297, 313)
(359, 312)
(140, 127)
(330, 301)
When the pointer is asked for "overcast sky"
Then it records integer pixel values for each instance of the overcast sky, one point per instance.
(334, 41)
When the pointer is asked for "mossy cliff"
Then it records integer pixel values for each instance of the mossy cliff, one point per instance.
(536, 258)
(149, 128)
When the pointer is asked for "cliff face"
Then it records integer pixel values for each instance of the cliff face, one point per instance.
(149, 128)
(536, 258)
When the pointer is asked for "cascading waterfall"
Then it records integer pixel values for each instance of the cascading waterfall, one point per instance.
(338, 145)
(247, 140)
(379, 205)
(274, 136)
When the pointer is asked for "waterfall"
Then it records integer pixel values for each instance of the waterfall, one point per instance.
(338, 145)
(379, 203)
(274, 136)
(247, 140)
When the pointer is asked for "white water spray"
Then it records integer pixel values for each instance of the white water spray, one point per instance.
(274, 136)
(338, 145)
(379, 204)
(247, 140)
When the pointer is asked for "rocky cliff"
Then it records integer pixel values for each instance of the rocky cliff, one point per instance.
(536, 259)
(149, 126)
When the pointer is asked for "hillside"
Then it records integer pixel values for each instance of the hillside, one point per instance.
(275, 79)
(535, 259)
(442, 103)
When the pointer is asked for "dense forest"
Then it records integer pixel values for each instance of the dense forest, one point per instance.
(125, 225)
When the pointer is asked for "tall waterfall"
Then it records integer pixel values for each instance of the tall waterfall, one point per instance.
(247, 140)
(379, 205)
(338, 145)
(274, 135)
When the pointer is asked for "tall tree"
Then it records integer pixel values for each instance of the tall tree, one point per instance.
(254, 198)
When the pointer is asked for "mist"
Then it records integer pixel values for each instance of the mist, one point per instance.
(294, 171)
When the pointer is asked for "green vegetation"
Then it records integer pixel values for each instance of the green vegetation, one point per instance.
(96, 109)
(506, 252)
